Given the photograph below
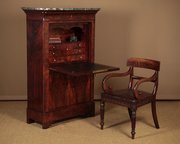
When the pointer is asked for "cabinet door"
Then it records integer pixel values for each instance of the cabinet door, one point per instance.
(67, 90)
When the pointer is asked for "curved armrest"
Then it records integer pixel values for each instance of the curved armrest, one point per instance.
(143, 80)
(104, 82)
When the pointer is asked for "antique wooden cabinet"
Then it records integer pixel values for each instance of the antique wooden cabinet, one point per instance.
(56, 35)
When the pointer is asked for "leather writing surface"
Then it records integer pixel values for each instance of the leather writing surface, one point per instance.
(81, 68)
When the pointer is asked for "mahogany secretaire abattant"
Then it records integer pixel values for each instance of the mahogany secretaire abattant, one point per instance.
(60, 63)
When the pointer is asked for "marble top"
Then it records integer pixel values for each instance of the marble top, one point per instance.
(60, 9)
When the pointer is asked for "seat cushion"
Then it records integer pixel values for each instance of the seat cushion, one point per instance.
(126, 97)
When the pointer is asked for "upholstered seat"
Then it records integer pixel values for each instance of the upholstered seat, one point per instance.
(126, 97)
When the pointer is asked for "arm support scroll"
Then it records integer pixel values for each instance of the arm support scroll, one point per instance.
(153, 79)
(107, 88)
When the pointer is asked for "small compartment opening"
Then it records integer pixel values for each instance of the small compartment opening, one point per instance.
(62, 34)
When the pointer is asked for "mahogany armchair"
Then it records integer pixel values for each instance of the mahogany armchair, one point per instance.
(132, 97)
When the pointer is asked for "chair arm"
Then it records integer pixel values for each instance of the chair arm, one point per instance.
(143, 80)
(108, 76)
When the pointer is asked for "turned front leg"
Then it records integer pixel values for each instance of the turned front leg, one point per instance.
(133, 122)
(102, 103)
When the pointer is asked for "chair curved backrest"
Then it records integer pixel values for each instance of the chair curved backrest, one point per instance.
(144, 63)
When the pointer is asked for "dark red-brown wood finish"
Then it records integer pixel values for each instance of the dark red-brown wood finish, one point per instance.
(57, 36)
(132, 97)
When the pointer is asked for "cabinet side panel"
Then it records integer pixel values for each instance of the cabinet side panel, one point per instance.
(34, 64)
